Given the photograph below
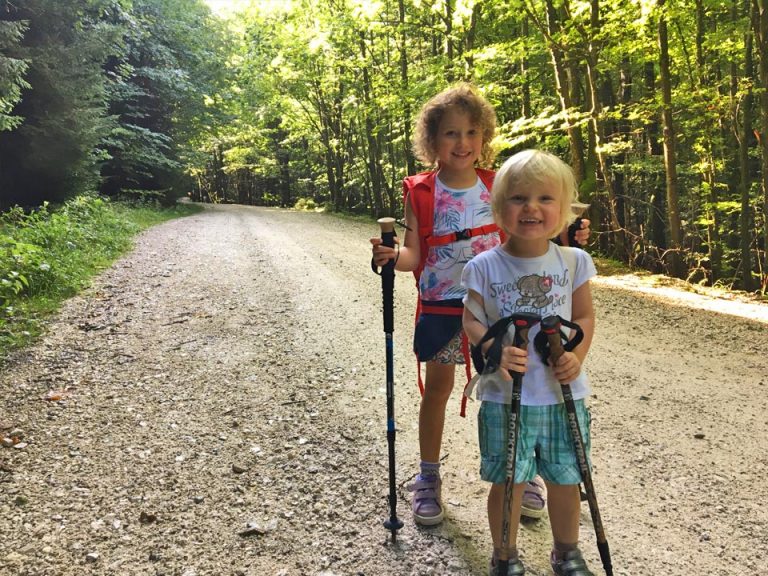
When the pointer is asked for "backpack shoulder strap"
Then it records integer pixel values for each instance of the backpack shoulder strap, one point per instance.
(423, 181)
(486, 176)
(569, 256)
(419, 191)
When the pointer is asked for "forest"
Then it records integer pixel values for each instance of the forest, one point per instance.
(660, 107)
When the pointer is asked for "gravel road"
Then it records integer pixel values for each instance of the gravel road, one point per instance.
(214, 405)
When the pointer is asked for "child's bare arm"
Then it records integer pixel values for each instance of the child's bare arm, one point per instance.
(409, 254)
(512, 358)
(474, 329)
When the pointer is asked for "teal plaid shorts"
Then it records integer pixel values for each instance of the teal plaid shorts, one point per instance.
(544, 445)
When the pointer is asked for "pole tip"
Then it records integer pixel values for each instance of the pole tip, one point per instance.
(387, 224)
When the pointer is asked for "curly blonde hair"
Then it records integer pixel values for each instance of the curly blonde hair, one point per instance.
(465, 97)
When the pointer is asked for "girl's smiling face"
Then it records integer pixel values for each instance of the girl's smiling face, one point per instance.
(532, 211)
(458, 142)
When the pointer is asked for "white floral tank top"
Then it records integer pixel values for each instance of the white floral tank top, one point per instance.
(456, 210)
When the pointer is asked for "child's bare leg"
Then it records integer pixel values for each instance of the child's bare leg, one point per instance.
(564, 504)
(564, 508)
(426, 503)
(495, 515)
(438, 384)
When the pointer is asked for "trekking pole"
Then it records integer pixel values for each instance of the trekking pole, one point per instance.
(523, 322)
(551, 327)
(393, 524)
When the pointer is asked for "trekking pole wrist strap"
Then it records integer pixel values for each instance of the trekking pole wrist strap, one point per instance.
(541, 343)
(523, 322)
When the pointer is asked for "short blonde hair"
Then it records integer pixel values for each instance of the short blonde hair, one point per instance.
(466, 98)
(534, 167)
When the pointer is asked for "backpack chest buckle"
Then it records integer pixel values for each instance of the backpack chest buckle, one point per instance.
(465, 234)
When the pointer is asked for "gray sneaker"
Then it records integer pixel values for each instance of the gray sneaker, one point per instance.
(572, 564)
(515, 568)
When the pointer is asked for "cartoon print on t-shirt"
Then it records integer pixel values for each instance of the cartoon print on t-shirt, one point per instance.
(543, 294)
(533, 291)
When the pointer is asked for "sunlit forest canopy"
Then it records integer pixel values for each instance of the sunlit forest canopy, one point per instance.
(660, 107)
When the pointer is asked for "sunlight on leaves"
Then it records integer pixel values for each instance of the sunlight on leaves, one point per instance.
(366, 10)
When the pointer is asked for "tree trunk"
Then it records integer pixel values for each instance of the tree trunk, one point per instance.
(563, 90)
(656, 224)
(374, 161)
(337, 149)
(330, 173)
(574, 72)
(670, 150)
(761, 32)
(599, 128)
(625, 134)
(714, 245)
(597, 211)
(469, 59)
(283, 160)
(449, 71)
(410, 161)
(327, 134)
(745, 181)
(526, 88)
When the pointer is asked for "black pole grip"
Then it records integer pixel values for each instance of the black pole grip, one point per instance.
(388, 274)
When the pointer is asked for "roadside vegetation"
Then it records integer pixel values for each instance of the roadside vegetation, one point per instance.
(50, 254)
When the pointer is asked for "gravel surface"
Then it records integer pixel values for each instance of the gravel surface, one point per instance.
(214, 405)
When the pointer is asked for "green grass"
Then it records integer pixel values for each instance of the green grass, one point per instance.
(50, 255)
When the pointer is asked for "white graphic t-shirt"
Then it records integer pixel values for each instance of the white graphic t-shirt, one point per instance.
(455, 210)
(544, 286)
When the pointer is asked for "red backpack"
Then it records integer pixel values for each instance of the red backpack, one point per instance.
(419, 190)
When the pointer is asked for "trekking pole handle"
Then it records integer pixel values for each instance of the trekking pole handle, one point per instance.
(523, 323)
(387, 226)
(551, 327)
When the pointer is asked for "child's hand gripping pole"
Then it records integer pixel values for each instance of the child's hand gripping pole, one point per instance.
(568, 236)
(551, 327)
(393, 524)
(387, 273)
(523, 322)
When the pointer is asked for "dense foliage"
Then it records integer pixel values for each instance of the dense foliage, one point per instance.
(104, 95)
(655, 104)
(660, 106)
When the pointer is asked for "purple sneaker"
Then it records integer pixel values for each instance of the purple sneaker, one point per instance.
(426, 504)
(535, 499)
